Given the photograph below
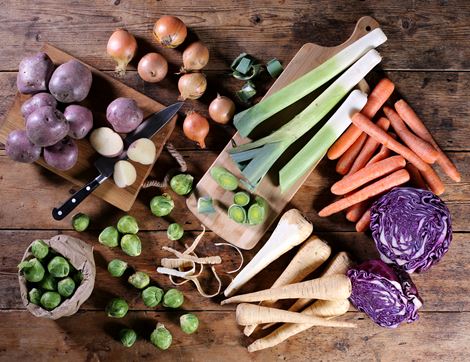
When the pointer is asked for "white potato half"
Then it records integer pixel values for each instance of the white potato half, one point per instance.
(142, 151)
(124, 174)
(106, 142)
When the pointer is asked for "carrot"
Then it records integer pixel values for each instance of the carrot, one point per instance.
(415, 177)
(383, 153)
(370, 146)
(321, 308)
(419, 146)
(397, 178)
(355, 212)
(347, 159)
(364, 222)
(379, 95)
(312, 254)
(418, 127)
(332, 287)
(247, 314)
(431, 177)
(368, 173)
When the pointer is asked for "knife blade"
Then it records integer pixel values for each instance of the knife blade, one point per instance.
(105, 165)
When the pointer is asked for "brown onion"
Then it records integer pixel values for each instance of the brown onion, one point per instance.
(192, 85)
(169, 31)
(222, 109)
(195, 56)
(196, 128)
(152, 67)
(122, 47)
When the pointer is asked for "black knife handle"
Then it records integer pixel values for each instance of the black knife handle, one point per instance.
(58, 213)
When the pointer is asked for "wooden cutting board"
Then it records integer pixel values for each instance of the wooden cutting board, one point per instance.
(103, 91)
(246, 236)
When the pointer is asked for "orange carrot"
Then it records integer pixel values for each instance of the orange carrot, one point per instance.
(379, 95)
(415, 177)
(419, 146)
(355, 212)
(431, 177)
(370, 146)
(418, 127)
(368, 173)
(397, 178)
(383, 153)
(364, 222)
(347, 159)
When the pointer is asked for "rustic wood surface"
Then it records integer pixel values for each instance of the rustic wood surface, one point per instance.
(427, 56)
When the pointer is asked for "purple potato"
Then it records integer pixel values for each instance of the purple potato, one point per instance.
(63, 155)
(34, 73)
(80, 121)
(46, 126)
(37, 101)
(19, 148)
(124, 115)
(70, 82)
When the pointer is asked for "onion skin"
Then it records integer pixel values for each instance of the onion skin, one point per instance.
(192, 86)
(169, 31)
(122, 47)
(196, 128)
(195, 56)
(152, 68)
(222, 109)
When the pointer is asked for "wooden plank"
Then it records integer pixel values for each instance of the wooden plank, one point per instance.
(430, 34)
(441, 288)
(50, 190)
(92, 336)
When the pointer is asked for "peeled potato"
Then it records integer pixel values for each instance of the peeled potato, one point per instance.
(142, 151)
(106, 142)
(124, 174)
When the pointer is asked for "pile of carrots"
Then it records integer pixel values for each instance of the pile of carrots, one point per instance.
(366, 160)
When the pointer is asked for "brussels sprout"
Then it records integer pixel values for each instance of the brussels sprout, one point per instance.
(152, 296)
(109, 237)
(50, 300)
(48, 283)
(139, 280)
(175, 231)
(117, 267)
(161, 205)
(161, 337)
(173, 298)
(66, 287)
(189, 323)
(117, 308)
(131, 245)
(182, 184)
(32, 270)
(39, 249)
(80, 222)
(77, 277)
(127, 337)
(34, 296)
(128, 225)
(59, 267)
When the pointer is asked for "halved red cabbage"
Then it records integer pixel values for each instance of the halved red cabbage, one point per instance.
(411, 228)
(385, 293)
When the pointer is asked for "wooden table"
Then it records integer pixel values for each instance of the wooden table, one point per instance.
(427, 56)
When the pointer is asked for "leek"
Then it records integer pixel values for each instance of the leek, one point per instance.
(316, 148)
(247, 120)
(255, 165)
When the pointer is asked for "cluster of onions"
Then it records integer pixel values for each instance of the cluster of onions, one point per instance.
(122, 47)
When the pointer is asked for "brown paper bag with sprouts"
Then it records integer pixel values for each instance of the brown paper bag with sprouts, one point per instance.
(80, 256)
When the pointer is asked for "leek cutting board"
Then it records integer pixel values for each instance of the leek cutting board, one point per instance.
(247, 236)
(103, 91)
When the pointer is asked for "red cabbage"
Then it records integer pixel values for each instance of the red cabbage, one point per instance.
(385, 293)
(411, 228)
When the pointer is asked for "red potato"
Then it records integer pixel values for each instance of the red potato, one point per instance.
(63, 155)
(34, 73)
(124, 115)
(46, 126)
(80, 121)
(71, 82)
(37, 101)
(19, 148)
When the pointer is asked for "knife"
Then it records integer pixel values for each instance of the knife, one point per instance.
(105, 165)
